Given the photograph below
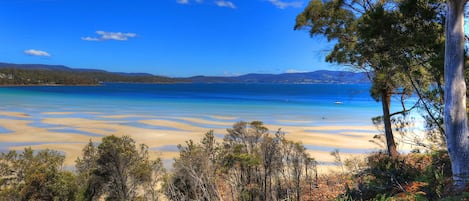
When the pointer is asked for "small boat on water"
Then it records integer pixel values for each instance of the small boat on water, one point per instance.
(338, 102)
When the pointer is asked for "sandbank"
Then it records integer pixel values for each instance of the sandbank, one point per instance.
(15, 114)
(168, 131)
(123, 116)
(206, 122)
(223, 117)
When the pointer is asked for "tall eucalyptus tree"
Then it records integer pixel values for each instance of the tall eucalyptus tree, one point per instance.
(455, 118)
(400, 43)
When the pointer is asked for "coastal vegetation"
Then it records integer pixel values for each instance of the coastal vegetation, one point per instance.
(377, 37)
(249, 163)
(39, 74)
(403, 45)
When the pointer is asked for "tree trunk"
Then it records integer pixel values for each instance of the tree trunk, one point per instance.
(264, 196)
(455, 119)
(391, 145)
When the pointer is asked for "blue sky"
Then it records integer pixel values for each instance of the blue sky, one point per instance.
(163, 37)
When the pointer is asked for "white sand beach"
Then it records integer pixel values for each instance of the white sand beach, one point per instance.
(70, 134)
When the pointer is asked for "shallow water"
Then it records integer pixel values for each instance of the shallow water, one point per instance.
(208, 106)
(265, 102)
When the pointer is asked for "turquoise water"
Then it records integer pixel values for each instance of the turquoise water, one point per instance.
(278, 104)
(265, 102)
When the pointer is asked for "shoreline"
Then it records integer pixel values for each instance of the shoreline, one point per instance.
(85, 85)
(162, 118)
(70, 134)
(183, 82)
(46, 85)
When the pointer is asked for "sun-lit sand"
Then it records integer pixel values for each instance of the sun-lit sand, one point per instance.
(74, 133)
(292, 121)
(223, 117)
(57, 113)
(206, 122)
(124, 116)
(14, 114)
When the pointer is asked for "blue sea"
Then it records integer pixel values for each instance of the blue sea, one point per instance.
(264, 102)
(275, 104)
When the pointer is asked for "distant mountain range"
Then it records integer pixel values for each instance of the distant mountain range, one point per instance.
(316, 77)
(59, 73)
(39, 74)
(64, 68)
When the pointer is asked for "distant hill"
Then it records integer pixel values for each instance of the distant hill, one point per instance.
(40, 74)
(316, 77)
(64, 68)
(34, 66)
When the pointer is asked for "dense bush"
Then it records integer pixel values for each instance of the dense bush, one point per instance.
(35, 176)
(250, 163)
(412, 176)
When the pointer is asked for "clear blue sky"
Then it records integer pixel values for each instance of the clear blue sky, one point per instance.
(164, 37)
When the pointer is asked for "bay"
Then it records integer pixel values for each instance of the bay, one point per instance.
(173, 113)
(264, 102)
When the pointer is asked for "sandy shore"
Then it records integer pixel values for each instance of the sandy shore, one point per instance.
(15, 114)
(70, 134)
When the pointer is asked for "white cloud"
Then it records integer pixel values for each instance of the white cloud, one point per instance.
(282, 5)
(115, 35)
(223, 3)
(34, 52)
(182, 1)
(90, 38)
(187, 1)
(110, 36)
(219, 3)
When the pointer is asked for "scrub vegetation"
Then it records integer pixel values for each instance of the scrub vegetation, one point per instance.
(409, 48)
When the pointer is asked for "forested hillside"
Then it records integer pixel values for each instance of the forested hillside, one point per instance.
(39, 74)
(316, 77)
(35, 74)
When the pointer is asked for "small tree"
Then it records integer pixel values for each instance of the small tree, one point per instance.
(195, 172)
(118, 170)
(251, 164)
(35, 176)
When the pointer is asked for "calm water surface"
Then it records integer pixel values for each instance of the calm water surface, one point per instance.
(270, 103)
(277, 104)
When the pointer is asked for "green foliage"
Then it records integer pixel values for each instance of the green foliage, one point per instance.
(400, 43)
(118, 170)
(251, 164)
(35, 176)
(384, 174)
(15, 76)
(195, 172)
(40, 76)
(437, 175)
(463, 197)
(408, 177)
